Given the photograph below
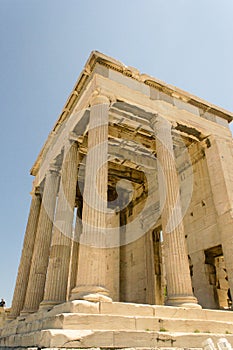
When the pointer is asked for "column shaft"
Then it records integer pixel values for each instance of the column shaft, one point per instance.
(179, 287)
(26, 257)
(75, 250)
(91, 276)
(35, 289)
(59, 260)
(151, 295)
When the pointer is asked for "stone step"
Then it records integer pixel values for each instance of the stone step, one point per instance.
(82, 321)
(146, 323)
(116, 308)
(117, 325)
(57, 338)
(131, 309)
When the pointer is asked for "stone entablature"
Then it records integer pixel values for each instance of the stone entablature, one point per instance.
(110, 68)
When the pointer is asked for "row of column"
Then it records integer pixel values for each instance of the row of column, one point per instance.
(48, 239)
(44, 269)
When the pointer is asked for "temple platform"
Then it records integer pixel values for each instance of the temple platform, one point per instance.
(115, 325)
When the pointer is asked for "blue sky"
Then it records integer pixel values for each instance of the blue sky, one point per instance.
(44, 45)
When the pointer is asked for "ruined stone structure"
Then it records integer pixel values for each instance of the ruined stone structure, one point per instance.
(4, 312)
(132, 204)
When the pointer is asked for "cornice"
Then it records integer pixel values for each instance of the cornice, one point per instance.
(158, 84)
(97, 57)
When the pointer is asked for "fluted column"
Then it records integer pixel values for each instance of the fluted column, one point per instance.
(75, 248)
(26, 256)
(179, 287)
(59, 260)
(36, 282)
(91, 276)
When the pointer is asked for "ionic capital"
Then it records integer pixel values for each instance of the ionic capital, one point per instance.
(73, 137)
(53, 168)
(158, 122)
(101, 97)
(35, 191)
(154, 121)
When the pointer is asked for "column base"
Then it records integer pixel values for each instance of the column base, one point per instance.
(49, 304)
(183, 301)
(90, 293)
(24, 313)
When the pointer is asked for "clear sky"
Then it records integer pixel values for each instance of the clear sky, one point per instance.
(44, 45)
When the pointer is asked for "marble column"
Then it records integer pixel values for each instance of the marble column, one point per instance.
(36, 282)
(75, 249)
(150, 273)
(26, 256)
(179, 287)
(112, 279)
(60, 251)
(91, 276)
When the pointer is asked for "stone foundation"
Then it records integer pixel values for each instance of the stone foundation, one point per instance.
(83, 324)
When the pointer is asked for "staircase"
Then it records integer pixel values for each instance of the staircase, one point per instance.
(83, 324)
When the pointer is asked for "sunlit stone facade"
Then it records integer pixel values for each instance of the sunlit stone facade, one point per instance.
(132, 202)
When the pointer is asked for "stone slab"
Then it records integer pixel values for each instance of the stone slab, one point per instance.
(77, 306)
(124, 339)
(127, 309)
(186, 313)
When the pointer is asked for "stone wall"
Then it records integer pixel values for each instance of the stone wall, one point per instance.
(3, 315)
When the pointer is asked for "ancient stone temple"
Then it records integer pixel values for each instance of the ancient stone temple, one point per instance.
(129, 235)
